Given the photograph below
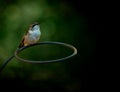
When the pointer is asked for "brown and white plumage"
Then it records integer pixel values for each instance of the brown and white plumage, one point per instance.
(31, 36)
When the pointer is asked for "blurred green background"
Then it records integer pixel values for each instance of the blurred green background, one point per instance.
(65, 21)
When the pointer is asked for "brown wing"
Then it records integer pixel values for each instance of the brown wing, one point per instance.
(22, 43)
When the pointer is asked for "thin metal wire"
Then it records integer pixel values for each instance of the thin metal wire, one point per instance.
(5, 63)
(46, 61)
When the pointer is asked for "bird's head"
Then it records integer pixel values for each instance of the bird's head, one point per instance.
(34, 26)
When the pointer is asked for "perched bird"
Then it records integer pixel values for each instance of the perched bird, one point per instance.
(31, 36)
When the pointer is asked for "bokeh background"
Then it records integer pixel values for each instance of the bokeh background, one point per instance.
(72, 22)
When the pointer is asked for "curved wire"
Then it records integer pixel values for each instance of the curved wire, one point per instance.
(46, 61)
(5, 63)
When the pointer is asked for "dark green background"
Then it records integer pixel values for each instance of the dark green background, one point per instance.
(72, 22)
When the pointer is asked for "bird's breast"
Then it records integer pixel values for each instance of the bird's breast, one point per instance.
(34, 35)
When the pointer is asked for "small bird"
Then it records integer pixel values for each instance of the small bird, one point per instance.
(31, 36)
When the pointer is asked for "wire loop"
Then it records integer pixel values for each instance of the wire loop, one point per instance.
(46, 61)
